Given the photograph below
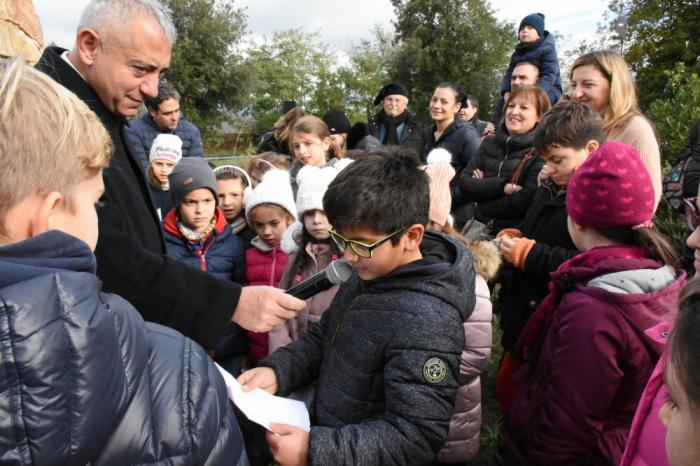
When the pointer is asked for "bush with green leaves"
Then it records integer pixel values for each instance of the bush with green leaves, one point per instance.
(674, 115)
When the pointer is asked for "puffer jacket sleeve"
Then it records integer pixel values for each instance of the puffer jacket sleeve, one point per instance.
(544, 259)
(415, 421)
(195, 136)
(298, 364)
(572, 418)
(517, 203)
(470, 189)
(462, 442)
(549, 66)
(180, 411)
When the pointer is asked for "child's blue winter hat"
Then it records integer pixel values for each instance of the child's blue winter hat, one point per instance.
(536, 20)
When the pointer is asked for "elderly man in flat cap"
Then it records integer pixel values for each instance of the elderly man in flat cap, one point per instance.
(393, 124)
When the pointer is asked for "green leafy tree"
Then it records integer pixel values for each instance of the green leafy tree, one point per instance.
(676, 113)
(366, 73)
(450, 40)
(292, 65)
(658, 34)
(207, 67)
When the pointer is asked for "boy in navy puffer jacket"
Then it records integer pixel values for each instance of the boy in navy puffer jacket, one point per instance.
(84, 379)
(198, 234)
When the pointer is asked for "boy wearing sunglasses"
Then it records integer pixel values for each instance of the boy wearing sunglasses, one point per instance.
(386, 353)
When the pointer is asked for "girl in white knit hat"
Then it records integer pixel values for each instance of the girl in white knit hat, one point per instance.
(310, 249)
(166, 152)
(269, 209)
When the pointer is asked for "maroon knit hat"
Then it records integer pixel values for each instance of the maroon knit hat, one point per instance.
(611, 189)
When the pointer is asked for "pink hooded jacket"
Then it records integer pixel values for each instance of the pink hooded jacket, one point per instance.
(462, 442)
(645, 444)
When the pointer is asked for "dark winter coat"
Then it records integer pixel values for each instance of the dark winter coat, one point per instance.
(359, 138)
(545, 222)
(479, 125)
(578, 393)
(460, 139)
(374, 353)
(691, 178)
(130, 252)
(410, 133)
(143, 130)
(86, 381)
(543, 54)
(498, 157)
(222, 253)
(161, 201)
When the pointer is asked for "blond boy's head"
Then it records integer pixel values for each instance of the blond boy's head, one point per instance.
(50, 143)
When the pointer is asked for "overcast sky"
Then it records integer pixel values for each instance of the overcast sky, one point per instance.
(342, 24)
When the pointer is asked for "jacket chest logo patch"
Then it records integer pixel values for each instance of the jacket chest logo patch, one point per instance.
(434, 370)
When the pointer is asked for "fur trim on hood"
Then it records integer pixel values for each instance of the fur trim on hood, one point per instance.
(487, 259)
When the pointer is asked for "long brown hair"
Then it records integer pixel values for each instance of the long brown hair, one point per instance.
(316, 127)
(648, 238)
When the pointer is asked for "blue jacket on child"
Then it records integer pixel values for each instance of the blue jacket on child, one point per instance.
(222, 254)
(85, 380)
(386, 355)
(541, 53)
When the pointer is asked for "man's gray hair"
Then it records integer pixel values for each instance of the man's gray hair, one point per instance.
(101, 15)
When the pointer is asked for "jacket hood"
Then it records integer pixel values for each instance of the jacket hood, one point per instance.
(446, 272)
(643, 290)
(49, 252)
(487, 259)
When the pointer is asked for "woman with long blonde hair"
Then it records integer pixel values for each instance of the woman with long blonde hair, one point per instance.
(602, 80)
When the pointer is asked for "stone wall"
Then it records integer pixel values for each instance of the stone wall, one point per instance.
(20, 30)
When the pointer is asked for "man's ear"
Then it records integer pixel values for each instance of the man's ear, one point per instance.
(88, 44)
(413, 236)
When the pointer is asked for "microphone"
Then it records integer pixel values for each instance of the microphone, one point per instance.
(336, 273)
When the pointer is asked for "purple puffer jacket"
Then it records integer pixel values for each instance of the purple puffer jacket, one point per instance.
(576, 401)
(645, 446)
(462, 443)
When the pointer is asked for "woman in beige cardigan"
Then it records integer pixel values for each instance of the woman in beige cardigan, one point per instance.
(602, 79)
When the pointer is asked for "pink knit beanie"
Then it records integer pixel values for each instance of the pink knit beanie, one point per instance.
(440, 172)
(611, 189)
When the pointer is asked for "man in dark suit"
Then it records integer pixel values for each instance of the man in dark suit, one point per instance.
(121, 50)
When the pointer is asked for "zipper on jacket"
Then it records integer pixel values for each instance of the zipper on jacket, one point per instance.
(340, 321)
(500, 165)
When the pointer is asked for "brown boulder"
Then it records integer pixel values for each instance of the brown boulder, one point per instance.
(20, 30)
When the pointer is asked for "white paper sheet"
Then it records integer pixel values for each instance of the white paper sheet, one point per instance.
(263, 408)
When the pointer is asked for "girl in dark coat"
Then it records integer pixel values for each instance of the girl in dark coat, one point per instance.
(450, 132)
(499, 182)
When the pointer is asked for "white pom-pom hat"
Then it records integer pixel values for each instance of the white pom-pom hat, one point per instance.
(274, 188)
